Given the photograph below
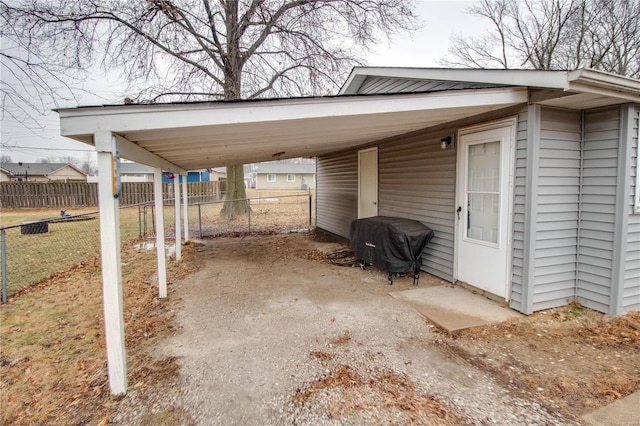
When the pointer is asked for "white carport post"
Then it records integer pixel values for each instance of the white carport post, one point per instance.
(106, 147)
(185, 201)
(160, 243)
(178, 224)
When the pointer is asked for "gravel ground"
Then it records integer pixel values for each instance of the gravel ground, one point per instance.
(270, 334)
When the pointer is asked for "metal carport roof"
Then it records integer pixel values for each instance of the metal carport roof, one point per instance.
(198, 135)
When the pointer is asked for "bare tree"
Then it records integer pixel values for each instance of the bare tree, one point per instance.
(553, 34)
(4, 158)
(30, 85)
(206, 49)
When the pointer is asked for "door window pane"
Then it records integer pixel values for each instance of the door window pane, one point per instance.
(483, 191)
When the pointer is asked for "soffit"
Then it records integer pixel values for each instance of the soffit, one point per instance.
(202, 135)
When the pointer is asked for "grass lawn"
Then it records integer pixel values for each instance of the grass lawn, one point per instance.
(31, 258)
(52, 350)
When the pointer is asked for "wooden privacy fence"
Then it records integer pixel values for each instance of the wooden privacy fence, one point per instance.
(79, 194)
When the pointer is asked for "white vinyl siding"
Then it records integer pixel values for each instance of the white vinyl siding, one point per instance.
(546, 205)
(417, 181)
(631, 278)
(598, 208)
(337, 192)
(517, 279)
(556, 216)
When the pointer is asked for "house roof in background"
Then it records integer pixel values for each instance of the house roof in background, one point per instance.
(135, 168)
(40, 169)
(263, 168)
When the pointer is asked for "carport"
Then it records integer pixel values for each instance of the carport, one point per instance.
(184, 136)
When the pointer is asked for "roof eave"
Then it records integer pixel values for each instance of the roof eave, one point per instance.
(583, 80)
(524, 78)
(602, 83)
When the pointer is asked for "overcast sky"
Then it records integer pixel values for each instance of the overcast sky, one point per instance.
(422, 49)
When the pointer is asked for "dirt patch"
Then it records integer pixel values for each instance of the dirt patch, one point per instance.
(570, 358)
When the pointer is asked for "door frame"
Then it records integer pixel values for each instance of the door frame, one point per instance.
(360, 152)
(512, 123)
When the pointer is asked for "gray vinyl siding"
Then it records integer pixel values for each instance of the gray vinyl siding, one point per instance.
(337, 192)
(631, 278)
(596, 243)
(517, 278)
(557, 204)
(417, 181)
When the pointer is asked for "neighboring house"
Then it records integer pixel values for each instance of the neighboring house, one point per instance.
(5, 175)
(41, 172)
(202, 175)
(134, 172)
(217, 174)
(277, 175)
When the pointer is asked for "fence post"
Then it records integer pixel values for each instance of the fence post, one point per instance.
(249, 208)
(144, 214)
(309, 210)
(3, 248)
(200, 219)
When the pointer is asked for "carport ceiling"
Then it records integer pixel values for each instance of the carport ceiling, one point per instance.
(212, 134)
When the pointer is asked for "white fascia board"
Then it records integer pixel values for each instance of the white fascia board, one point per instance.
(582, 80)
(602, 83)
(124, 119)
(530, 78)
(353, 83)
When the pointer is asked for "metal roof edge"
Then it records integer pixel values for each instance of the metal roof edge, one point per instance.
(282, 102)
(585, 80)
(590, 80)
(515, 77)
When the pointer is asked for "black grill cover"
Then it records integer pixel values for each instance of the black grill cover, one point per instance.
(390, 243)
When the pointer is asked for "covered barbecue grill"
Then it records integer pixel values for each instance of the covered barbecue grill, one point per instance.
(390, 243)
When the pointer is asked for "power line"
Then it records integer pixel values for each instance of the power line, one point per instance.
(44, 149)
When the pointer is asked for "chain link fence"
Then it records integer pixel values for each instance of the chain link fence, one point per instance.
(41, 245)
(37, 244)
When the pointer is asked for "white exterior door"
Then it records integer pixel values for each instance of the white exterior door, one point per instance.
(483, 210)
(368, 183)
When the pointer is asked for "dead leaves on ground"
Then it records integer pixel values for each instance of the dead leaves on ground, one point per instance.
(578, 358)
(378, 395)
(52, 357)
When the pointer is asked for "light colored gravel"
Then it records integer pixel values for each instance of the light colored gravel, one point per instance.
(265, 320)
